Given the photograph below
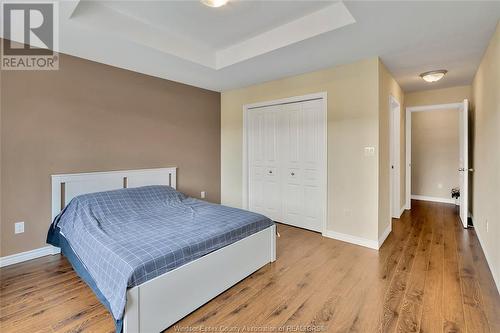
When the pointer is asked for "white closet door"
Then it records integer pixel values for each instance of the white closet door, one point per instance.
(291, 145)
(286, 155)
(256, 161)
(265, 182)
(313, 162)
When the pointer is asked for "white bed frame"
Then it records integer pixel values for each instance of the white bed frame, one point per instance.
(158, 303)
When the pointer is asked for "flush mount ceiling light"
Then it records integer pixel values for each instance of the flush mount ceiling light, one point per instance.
(433, 76)
(214, 3)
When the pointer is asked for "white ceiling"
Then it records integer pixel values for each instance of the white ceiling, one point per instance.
(217, 28)
(248, 42)
(214, 38)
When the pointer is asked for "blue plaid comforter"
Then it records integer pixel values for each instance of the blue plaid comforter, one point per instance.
(126, 237)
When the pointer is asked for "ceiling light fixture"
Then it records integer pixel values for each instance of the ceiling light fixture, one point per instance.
(214, 3)
(433, 76)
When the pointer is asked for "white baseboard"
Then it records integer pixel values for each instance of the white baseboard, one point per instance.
(28, 255)
(434, 199)
(372, 244)
(384, 235)
(489, 261)
(402, 210)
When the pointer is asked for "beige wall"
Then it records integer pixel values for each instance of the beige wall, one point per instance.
(353, 123)
(92, 117)
(486, 153)
(438, 96)
(387, 87)
(434, 153)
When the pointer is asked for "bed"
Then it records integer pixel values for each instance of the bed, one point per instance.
(151, 254)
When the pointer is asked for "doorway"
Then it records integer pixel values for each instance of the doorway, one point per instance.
(431, 140)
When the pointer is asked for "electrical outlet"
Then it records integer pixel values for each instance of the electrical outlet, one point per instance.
(203, 194)
(19, 227)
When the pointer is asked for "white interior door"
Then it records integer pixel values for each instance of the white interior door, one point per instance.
(463, 167)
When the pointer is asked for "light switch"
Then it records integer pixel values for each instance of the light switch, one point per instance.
(369, 151)
(203, 194)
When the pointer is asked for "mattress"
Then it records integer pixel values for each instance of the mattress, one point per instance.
(120, 239)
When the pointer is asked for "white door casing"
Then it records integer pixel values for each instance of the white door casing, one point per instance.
(394, 152)
(463, 167)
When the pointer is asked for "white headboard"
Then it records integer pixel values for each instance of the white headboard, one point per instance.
(66, 187)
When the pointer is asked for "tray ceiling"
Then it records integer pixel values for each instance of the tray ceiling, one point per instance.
(248, 42)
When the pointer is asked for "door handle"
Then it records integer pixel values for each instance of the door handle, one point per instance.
(461, 169)
(471, 170)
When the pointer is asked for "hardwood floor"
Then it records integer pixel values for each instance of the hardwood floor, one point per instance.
(429, 276)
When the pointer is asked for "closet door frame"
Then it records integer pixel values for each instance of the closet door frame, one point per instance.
(245, 167)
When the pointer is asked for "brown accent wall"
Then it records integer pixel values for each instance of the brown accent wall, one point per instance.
(92, 117)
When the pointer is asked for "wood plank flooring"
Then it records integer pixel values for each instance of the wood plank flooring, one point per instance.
(429, 276)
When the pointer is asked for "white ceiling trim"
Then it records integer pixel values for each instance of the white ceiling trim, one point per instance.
(71, 7)
(324, 20)
(105, 19)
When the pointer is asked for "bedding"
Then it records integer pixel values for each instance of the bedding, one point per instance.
(125, 237)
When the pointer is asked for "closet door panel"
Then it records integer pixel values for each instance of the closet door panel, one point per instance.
(257, 190)
(272, 179)
(312, 212)
(313, 161)
(271, 122)
(272, 195)
(291, 135)
(313, 130)
(292, 126)
(293, 197)
(264, 184)
(256, 161)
